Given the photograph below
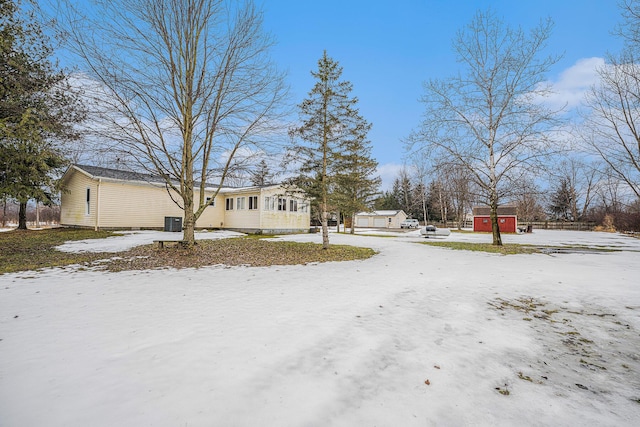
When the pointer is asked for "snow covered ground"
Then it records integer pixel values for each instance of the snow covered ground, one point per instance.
(415, 336)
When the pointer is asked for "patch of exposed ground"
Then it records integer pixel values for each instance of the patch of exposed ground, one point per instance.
(584, 347)
(233, 252)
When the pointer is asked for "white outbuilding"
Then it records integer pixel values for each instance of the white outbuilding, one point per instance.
(381, 219)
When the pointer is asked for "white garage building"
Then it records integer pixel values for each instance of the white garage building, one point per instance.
(380, 219)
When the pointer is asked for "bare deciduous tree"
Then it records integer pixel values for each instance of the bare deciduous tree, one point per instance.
(612, 124)
(490, 120)
(184, 85)
(529, 200)
(630, 30)
(458, 185)
(422, 169)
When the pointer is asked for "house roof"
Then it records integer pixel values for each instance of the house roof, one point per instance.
(131, 176)
(124, 175)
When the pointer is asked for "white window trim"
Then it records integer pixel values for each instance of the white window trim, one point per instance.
(241, 203)
(253, 203)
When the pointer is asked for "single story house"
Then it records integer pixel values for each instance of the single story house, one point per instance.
(102, 198)
(380, 219)
(507, 219)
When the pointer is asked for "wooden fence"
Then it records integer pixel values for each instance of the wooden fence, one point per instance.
(540, 225)
(560, 225)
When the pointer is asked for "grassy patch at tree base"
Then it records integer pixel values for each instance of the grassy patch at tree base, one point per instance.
(24, 250)
(506, 249)
(235, 251)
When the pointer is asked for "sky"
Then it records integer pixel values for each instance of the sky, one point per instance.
(389, 49)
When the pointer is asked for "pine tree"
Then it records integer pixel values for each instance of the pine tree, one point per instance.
(328, 119)
(562, 201)
(404, 192)
(262, 176)
(387, 201)
(37, 110)
(356, 183)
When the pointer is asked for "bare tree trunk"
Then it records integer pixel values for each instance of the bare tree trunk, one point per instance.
(425, 218)
(4, 212)
(37, 214)
(188, 232)
(325, 227)
(22, 216)
(495, 227)
(443, 208)
(353, 224)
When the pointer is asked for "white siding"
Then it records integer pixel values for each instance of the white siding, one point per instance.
(128, 204)
(73, 201)
(242, 218)
(122, 204)
(283, 220)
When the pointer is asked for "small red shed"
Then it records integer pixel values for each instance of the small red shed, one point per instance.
(507, 219)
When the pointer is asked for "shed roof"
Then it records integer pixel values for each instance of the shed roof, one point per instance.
(502, 210)
(381, 213)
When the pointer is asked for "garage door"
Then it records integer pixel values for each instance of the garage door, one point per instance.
(380, 222)
(362, 222)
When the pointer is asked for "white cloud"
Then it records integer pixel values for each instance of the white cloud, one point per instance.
(572, 83)
(388, 172)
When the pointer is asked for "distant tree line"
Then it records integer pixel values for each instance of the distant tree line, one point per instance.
(571, 190)
(45, 215)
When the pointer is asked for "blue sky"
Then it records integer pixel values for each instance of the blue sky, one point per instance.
(388, 49)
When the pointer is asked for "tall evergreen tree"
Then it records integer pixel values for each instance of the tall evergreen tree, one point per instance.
(562, 201)
(387, 201)
(328, 119)
(37, 110)
(404, 192)
(356, 183)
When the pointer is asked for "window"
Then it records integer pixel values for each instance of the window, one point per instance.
(282, 204)
(293, 205)
(209, 201)
(240, 203)
(304, 207)
(88, 204)
(253, 202)
(229, 204)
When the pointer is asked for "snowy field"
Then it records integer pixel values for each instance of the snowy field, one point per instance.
(415, 336)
